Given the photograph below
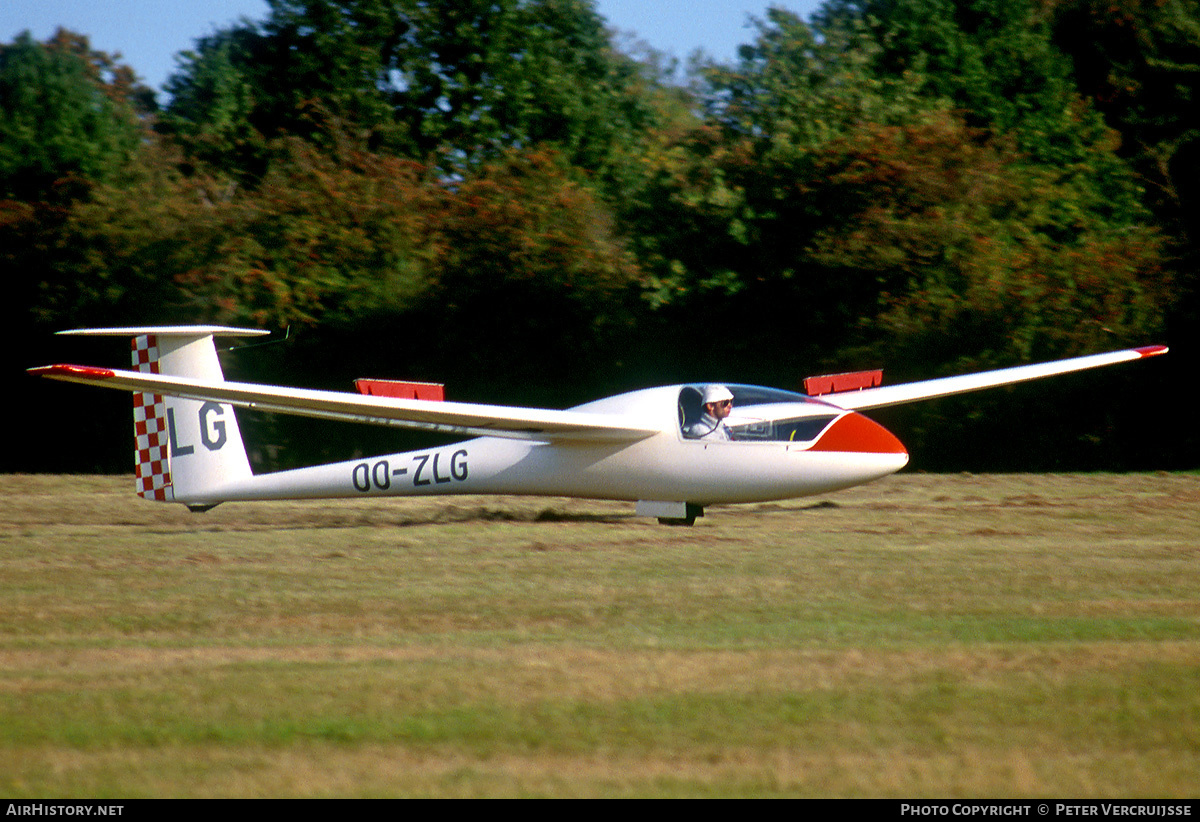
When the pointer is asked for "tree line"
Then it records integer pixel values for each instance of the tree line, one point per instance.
(507, 197)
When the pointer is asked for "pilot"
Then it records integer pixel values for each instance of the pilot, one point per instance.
(718, 403)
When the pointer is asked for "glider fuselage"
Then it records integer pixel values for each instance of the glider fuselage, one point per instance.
(663, 466)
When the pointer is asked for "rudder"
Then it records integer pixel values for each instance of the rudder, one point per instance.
(185, 450)
(151, 464)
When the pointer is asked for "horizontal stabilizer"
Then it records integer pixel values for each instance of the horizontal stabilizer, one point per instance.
(166, 331)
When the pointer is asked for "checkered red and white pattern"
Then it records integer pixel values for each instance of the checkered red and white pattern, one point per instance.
(150, 428)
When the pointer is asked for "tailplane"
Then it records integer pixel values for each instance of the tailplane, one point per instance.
(185, 450)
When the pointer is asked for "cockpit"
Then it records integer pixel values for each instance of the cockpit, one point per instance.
(757, 414)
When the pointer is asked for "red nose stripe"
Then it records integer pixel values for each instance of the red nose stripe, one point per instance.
(856, 433)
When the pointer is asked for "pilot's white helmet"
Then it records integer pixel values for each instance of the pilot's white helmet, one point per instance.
(716, 393)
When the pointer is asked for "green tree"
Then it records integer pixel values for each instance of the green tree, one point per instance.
(69, 116)
(531, 283)
(728, 211)
(961, 236)
(71, 123)
(1140, 63)
(996, 63)
(483, 77)
(835, 202)
(339, 240)
(116, 257)
(211, 114)
(730, 196)
(452, 82)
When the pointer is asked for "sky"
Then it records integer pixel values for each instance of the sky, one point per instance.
(149, 33)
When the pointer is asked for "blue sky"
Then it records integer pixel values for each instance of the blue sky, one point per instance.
(149, 33)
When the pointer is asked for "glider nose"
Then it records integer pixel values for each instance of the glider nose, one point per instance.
(853, 433)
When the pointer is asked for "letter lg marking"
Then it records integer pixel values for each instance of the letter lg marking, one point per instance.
(213, 439)
(458, 467)
(177, 450)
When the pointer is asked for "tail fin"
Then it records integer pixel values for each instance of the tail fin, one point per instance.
(185, 450)
(151, 438)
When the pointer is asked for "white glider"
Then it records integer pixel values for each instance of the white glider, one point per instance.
(663, 448)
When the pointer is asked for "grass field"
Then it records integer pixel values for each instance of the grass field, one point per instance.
(927, 636)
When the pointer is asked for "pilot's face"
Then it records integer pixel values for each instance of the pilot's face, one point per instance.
(721, 409)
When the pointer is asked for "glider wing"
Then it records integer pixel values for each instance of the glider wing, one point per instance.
(928, 389)
(429, 415)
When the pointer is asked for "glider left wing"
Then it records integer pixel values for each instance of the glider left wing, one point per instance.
(928, 389)
(444, 417)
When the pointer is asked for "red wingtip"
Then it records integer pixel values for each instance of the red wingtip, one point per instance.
(1151, 350)
(64, 371)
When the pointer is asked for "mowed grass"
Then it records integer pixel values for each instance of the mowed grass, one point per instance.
(926, 636)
